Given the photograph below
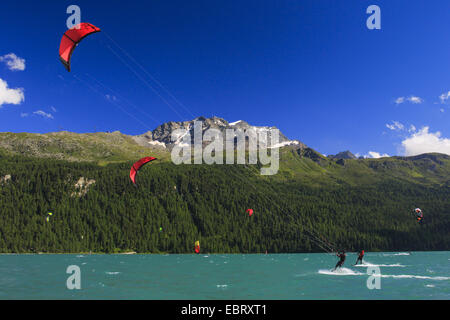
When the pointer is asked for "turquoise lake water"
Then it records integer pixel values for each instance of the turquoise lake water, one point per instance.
(404, 275)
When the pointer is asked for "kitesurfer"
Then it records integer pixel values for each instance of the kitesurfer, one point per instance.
(341, 261)
(360, 257)
(419, 215)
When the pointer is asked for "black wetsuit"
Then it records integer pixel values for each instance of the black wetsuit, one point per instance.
(341, 261)
(360, 257)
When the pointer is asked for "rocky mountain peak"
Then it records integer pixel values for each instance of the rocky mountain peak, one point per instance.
(161, 136)
(343, 155)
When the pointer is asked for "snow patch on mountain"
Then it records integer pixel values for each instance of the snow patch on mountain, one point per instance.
(157, 143)
(285, 143)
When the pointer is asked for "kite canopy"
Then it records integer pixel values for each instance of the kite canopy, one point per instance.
(70, 40)
(197, 246)
(135, 168)
(249, 211)
(419, 215)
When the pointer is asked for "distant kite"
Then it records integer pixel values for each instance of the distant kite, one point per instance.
(70, 40)
(197, 246)
(135, 168)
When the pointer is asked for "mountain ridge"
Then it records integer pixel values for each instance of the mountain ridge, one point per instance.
(297, 161)
(117, 146)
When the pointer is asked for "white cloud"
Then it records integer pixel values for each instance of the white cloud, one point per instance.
(412, 99)
(444, 97)
(424, 141)
(53, 109)
(441, 109)
(397, 126)
(376, 155)
(400, 100)
(415, 100)
(371, 154)
(23, 114)
(43, 114)
(10, 96)
(13, 62)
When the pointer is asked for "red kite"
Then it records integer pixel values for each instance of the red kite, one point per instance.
(71, 38)
(135, 168)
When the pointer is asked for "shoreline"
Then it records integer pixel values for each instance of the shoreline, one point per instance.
(206, 253)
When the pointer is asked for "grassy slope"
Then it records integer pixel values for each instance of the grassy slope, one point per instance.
(429, 169)
(102, 148)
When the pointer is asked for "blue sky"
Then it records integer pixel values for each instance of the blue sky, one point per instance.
(311, 68)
